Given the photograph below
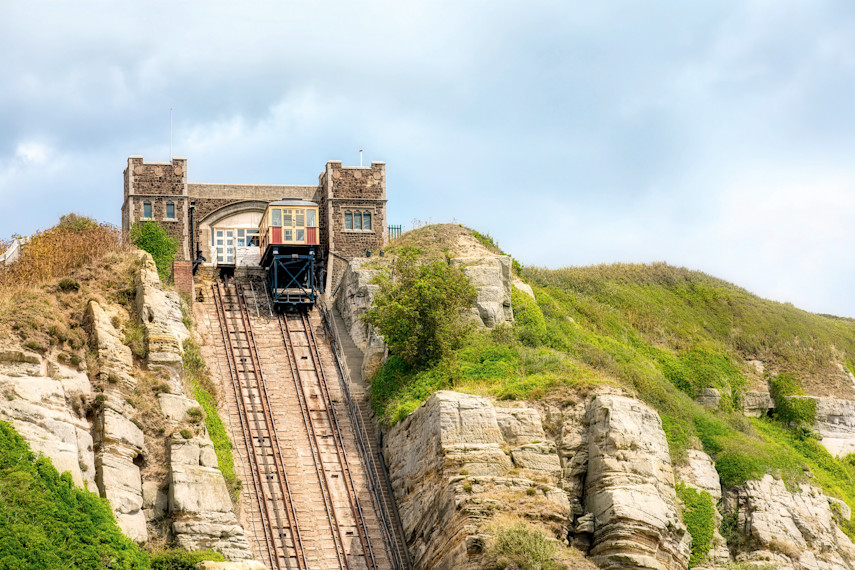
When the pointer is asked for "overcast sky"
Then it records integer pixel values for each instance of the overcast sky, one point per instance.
(713, 135)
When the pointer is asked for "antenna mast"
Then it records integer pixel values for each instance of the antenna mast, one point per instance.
(170, 133)
(360, 157)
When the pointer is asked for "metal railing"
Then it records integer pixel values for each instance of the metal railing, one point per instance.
(375, 466)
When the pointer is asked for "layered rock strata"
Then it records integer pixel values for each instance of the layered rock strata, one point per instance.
(629, 488)
(606, 483)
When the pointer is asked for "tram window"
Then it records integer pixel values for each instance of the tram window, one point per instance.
(288, 234)
(301, 235)
(277, 217)
(300, 218)
(286, 221)
(348, 221)
(366, 221)
(311, 221)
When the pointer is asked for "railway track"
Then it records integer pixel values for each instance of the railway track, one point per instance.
(311, 491)
(282, 542)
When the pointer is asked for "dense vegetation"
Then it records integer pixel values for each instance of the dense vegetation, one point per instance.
(418, 309)
(699, 517)
(46, 522)
(664, 334)
(151, 237)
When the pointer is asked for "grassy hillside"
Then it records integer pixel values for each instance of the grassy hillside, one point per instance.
(663, 334)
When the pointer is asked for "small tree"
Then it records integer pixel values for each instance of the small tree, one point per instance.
(151, 237)
(419, 309)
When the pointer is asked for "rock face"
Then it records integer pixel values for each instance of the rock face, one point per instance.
(793, 529)
(119, 442)
(202, 514)
(451, 475)
(356, 296)
(39, 398)
(755, 403)
(835, 422)
(606, 482)
(630, 489)
(160, 313)
(491, 276)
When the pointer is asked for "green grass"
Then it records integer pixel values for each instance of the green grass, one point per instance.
(664, 334)
(203, 391)
(699, 517)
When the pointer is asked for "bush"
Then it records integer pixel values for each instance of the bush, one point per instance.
(68, 284)
(793, 411)
(699, 516)
(419, 309)
(182, 560)
(46, 522)
(151, 237)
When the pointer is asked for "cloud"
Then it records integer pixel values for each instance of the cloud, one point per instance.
(716, 136)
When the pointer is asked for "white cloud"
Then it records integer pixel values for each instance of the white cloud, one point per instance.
(32, 153)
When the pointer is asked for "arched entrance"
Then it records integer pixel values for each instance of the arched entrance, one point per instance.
(230, 235)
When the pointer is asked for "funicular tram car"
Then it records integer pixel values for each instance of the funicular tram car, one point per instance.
(289, 250)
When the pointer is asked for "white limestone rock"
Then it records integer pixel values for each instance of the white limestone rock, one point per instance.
(797, 525)
(756, 403)
(42, 411)
(835, 422)
(199, 502)
(159, 311)
(520, 425)
(491, 277)
(630, 489)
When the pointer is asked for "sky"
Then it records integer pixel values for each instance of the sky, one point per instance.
(717, 136)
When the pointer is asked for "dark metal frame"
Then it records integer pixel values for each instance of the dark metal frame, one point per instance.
(292, 271)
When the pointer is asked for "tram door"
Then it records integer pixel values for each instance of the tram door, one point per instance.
(225, 244)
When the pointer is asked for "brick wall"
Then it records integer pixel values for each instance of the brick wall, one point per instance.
(182, 276)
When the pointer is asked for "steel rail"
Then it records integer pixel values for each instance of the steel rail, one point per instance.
(249, 441)
(276, 449)
(398, 547)
(323, 482)
(341, 452)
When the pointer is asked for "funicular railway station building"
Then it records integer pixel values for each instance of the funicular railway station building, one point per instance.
(216, 225)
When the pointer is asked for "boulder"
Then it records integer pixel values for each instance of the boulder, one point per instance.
(709, 398)
(491, 276)
(630, 489)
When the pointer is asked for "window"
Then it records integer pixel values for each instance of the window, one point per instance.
(288, 234)
(301, 223)
(241, 239)
(170, 211)
(357, 221)
(252, 238)
(311, 221)
(277, 217)
(301, 235)
(146, 210)
(286, 218)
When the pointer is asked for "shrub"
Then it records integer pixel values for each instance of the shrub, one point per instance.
(46, 522)
(419, 309)
(68, 284)
(524, 546)
(151, 237)
(793, 411)
(699, 516)
(182, 560)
